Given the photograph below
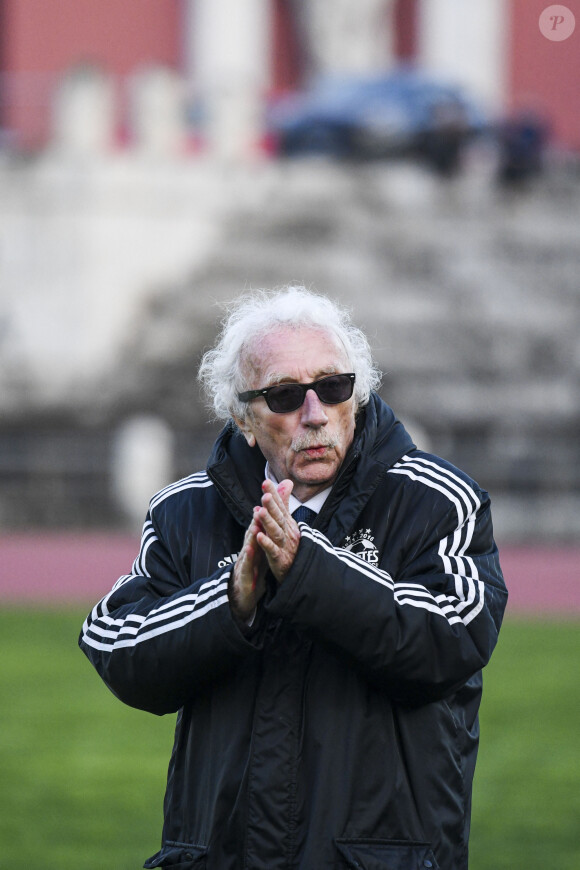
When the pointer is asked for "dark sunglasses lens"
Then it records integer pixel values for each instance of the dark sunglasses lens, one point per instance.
(285, 398)
(335, 389)
(331, 390)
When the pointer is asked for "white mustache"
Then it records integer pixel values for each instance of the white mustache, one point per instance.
(320, 438)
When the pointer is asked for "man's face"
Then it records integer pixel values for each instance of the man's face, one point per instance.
(308, 445)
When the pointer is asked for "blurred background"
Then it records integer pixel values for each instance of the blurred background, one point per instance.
(418, 160)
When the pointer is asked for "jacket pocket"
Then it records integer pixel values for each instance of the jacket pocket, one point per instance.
(179, 856)
(362, 854)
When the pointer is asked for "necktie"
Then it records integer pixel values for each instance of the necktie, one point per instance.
(304, 515)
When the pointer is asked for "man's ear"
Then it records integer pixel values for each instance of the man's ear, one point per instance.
(246, 430)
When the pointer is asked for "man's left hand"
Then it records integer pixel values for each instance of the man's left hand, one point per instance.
(279, 536)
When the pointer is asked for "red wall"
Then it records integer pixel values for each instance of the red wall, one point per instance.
(44, 37)
(287, 55)
(405, 18)
(545, 75)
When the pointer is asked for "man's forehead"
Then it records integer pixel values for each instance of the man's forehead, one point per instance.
(285, 354)
(276, 377)
(281, 340)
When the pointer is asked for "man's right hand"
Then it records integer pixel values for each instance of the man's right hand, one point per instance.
(248, 582)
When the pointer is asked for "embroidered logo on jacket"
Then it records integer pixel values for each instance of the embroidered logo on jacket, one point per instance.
(362, 545)
(228, 560)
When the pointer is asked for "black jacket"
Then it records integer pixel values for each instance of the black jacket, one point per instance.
(341, 730)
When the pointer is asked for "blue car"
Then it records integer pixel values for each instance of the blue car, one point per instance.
(403, 113)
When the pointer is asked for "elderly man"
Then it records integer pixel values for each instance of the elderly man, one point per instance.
(317, 605)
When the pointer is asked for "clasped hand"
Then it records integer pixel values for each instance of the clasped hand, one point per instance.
(271, 541)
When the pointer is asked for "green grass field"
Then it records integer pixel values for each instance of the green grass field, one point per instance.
(83, 776)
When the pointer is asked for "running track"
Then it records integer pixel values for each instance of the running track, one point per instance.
(78, 569)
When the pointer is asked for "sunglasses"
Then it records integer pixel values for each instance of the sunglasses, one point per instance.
(283, 398)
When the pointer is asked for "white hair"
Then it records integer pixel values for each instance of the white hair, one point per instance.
(255, 314)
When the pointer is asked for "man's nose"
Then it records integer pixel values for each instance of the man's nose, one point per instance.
(313, 413)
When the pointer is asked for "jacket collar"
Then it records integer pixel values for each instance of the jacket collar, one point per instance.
(237, 470)
(380, 440)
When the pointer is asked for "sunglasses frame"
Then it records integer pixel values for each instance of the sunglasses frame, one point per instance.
(254, 394)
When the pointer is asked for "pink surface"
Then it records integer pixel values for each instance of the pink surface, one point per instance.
(542, 579)
(76, 568)
(63, 567)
